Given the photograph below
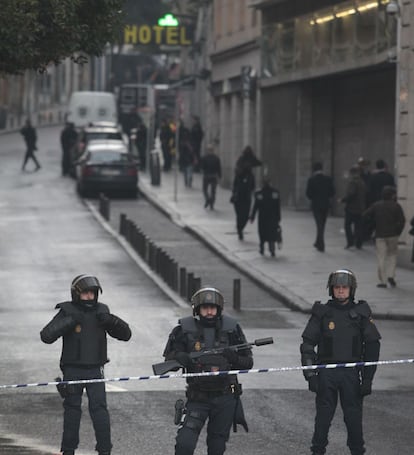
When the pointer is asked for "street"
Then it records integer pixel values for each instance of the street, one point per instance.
(49, 236)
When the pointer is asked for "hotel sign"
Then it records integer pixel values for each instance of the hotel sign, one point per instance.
(180, 35)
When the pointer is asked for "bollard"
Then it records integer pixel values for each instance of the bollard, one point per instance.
(190, 286)
(183, 281)
(236, 294)
(104, 206)
(122, 219)
(196, 284)
(155, 168)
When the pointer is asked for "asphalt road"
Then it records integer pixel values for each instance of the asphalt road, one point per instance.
(48, 236)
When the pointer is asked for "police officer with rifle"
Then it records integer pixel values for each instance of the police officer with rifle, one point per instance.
(83, 323)
(215, 398)
(343, 332)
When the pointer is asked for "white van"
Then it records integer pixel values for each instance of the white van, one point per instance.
(86, 107)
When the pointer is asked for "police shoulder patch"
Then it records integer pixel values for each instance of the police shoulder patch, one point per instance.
(331, 325)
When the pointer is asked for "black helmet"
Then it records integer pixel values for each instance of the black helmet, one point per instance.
(83, 283)
(342, 277)
(207, 296)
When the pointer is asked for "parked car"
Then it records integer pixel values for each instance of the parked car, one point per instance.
(107, 166)
(99, 130)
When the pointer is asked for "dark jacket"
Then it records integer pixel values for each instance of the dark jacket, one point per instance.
(210, 165)
(192, 336)
(84, 332)
(341, 333)
(267, 205)
(355, 196)
(388, 218)
(320, 190)
(30, 136)
(243, 186)
(377, 182)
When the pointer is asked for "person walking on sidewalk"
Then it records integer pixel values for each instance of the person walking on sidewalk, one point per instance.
(343, 331)
(68, 139)
(267, 205)
(186, 157)
(354, 199)
(216, 398)
(210, 166)
(83, 323)
(320, 191)
(378, 179)
(243, 187)
(197, 135)
(389, 220)
(30, 138)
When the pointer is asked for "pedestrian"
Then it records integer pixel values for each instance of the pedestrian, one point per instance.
(83, 323)
(141, 137)
(388, 219)
(166, 137)
(197, 135)
(355, 204)
(215, 398)
(30, 138)
(267, 205)
(186, 157)
(343, 331)
(247, 159)
(378, 179)
(320, 191)
(244, 184)
(210, 166)
(68, 139)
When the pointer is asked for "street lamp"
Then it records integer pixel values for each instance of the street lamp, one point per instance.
(393, 9)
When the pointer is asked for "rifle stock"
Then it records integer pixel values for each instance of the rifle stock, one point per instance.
(168, 365)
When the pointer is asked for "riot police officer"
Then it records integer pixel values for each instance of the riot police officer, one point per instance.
(83, 324)
(343, 331)
(215, 398)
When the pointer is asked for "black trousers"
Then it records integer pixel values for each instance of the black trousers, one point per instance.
(320, 216)
(30, 154)
(353, 229)
(209, 190)
(220, 413)
(97, 409)
(242, 209)
(345, 383)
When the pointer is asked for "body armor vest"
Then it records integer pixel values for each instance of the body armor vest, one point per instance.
(201, 338)
(86, 344)
(341, 335)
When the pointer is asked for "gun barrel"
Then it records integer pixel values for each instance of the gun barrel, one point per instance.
(263, 341)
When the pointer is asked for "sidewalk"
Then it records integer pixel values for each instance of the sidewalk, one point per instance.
(298, 275)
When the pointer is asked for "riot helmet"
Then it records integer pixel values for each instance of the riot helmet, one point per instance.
(207, 296)
(342, 277)
(83, 283)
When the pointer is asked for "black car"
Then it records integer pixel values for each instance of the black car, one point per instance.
(93, 132)
(107, 166)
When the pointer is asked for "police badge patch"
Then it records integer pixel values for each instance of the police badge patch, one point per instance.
(331, 325)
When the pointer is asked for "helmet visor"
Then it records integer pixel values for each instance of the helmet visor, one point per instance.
(342, 278)
(86, 283)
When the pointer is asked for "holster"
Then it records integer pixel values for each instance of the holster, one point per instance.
(179, 411)
(239, 418)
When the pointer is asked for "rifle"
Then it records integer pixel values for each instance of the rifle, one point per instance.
(168, 365)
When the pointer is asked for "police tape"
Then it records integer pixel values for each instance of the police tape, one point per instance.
(213, 373)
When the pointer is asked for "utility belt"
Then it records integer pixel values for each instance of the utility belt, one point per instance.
(194, 393)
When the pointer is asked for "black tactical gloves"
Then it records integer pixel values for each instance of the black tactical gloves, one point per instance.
(105, 320)
(184, 359)
(313, 382)
(365, 388)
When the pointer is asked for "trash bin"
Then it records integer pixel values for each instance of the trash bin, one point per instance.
(155, 168)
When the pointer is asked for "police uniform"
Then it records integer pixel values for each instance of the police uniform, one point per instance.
(83, 326)
(215, 397)
(342, 333)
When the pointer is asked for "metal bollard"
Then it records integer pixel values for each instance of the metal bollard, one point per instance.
(236, 294)
(190, 285)
(122, 219)
(183, 281)
(104, 206)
